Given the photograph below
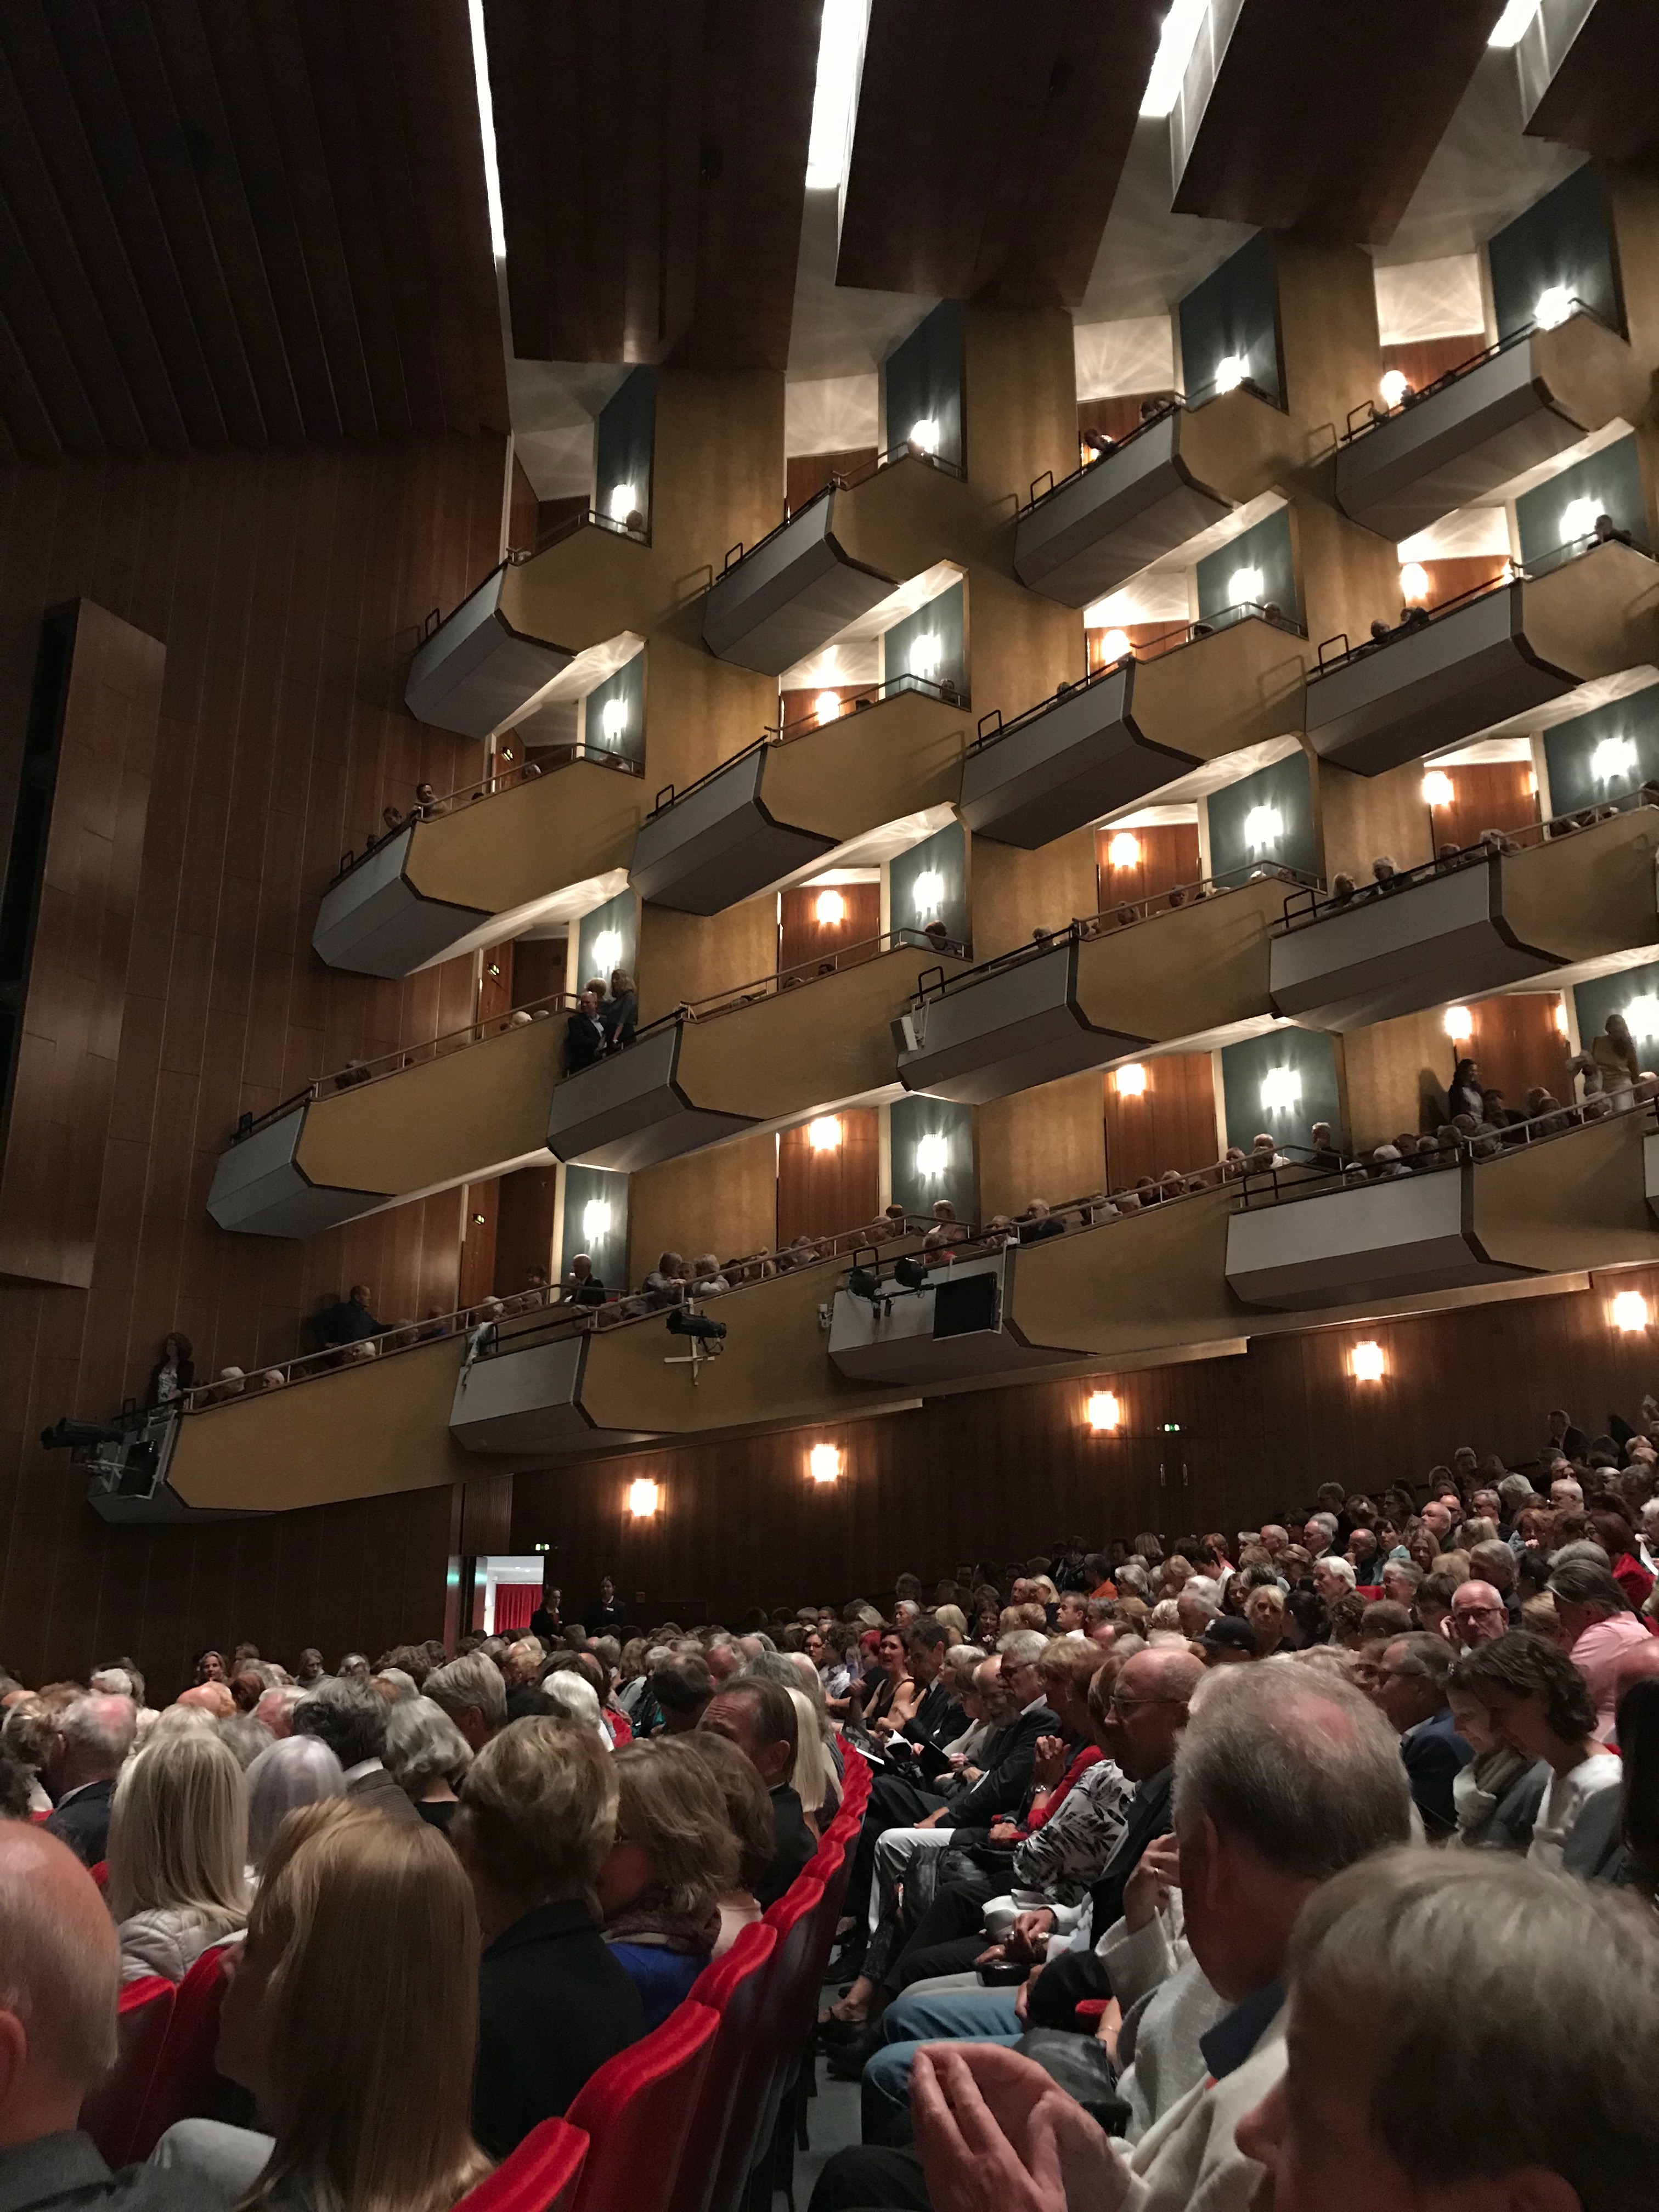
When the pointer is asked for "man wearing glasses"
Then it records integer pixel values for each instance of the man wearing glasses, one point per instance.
(1479, 1615)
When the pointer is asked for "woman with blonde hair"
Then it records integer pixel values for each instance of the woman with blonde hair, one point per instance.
(812, 1777)
(363, 1942)
(178, 1853)
(674, 1858)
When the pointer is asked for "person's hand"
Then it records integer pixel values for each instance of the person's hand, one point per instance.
(1147, 1890)
(1005, 1831)
(1023, 1994)
(995, 2134)
(933, 1819)
(1049, 1765)
(992, 1955)
(883, 1728)
(1030, 1933)
(1107, 2026)
(956, 1760)
(972, 1774)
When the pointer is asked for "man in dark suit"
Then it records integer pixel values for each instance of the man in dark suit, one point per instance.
(759, 1715)
(350, 1719)
(584, 1033)
(937, 1717)
(348, 1321)
(87, 1751)
(1410, 1686)
(57, 2031)
(535, 1824)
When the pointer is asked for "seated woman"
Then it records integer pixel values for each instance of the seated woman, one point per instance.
(672, 1860)
(749, 1816)
(178, 1849)
(294, 1771)
(427, 1756)
(352, 2016)
(1540, 1706)
(885, 1700)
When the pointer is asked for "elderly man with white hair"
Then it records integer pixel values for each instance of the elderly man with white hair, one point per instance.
(88, 1749)
(1319, 1534)
(59, 1975)
(1333, 1577)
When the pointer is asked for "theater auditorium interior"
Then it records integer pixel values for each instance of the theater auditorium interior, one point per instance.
(681, 683)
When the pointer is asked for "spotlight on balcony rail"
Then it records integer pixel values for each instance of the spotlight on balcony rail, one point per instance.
(909, 1275)
(66, 1435)
(685, 1320)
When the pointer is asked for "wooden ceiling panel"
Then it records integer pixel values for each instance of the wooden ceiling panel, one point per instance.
(988, 144)
(1591, 79)
(242, 222)
(1319, 119)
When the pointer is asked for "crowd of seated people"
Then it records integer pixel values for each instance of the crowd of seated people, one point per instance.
(1145, 1821)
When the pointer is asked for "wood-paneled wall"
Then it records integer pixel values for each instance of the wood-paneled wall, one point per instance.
(1001, 1474)
(1486, 795)
(1169, 856)
(1170, 1124)
(821, 1193)
(803, 940)
(288, 589)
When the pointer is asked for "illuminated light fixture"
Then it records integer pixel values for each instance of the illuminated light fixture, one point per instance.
(932, 1156)
(1124, 851)
(929, 891)
(1458, 1023)
(926, 653)
(487, 129)
(1578, 520)
(826, 706)
(824, 1134)
(1130, 1082)
(622, 502)
(1263, 826)
(1230, 371)
(644, 1498)
(824, 1462)
(607, 951)
(1392, 387)
(1244, 588)
(1561, 1016)
(614, 719)
(1532, 783)
(1365, 1363)
(1104, 1411)
(1511, 26)
(835, 95)
(924, 435)
(1630, 1311)
(1175, 45)
(1612, 757)
(596, 1220)
(1281, 1089)
(1413, 583)
(1438, 788)
(1642, 1016)
(1114, 647)
(830, 909)
(1554, 305)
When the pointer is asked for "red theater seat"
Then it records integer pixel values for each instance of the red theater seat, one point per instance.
(184, 2076)
(539, 2176)
(637, 2112)
(734, 1988)
(112, 2114)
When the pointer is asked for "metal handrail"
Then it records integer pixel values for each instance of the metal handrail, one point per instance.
(1175, 405)
(490, 785)
(1376, 415)
(862, 474)
(590, 519)
(351, 1078)
(948, 693)
(1056, 698)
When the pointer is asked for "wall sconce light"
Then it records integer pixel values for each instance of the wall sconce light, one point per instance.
(1630, 1311)
(1561, 1017)
(622, 502)
(1104, 1411)
(607, 951)
(824, 1134)
(824, 1462)
(477, 1221)
(613, 721)
(1642, 1015)
(1124, 851)
(1281, 1089)
(1365, 1363)
(1614, 757)
(1263, 826)
(1437, 789)
(1130, 1082)
(932, 1156)
(830, 909)
(1458, 1023)
(1392, 387)
(1579, 520)
(596, 1220)
(924, 435)
(1554, 305)
(493, 969)
(926, 653)
(826, 706)
(929, 889)
(1413, 583)
(1230, 371)
(1114, 647)
(1244, 588)
(643, 1497)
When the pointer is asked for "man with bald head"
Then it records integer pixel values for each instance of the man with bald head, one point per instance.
(88, 1749)
(59, 1976)
(1479, 1615)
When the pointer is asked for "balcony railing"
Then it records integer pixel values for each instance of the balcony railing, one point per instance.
(568, 525)
(1157, 411)
(860, 475)
(359, 1072)
(1370, 416)
(815, 970)
(866, 695)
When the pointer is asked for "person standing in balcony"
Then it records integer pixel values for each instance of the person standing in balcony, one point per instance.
(173, 1373)
(619, 1015)
(1615, 1053)
(584, 1033)
(1464, 1093)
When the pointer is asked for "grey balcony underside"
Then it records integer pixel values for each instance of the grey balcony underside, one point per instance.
(1136, 506)
(790, 596)
(374, 922)
(1005, 1033)
(526, 1405)
(476, 672)
(1080, 758)
(628, 1111)
(258, 1190)
(1382, 1240)
(719, 845)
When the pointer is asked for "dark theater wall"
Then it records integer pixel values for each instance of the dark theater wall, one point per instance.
(287, 589)
(1002, 1474)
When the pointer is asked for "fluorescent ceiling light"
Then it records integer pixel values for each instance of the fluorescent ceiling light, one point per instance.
(932, 1156)
(836, 95)
(1511, 26)
(1281, 1089)
(596, 1220)
(487, 129)
(1175, 47)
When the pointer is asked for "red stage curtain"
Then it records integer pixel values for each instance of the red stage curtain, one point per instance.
(514, 1603)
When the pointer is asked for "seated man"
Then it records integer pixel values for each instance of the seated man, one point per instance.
(759, 1716)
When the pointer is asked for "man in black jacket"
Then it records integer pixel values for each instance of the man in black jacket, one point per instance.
(86, 1752)
(937, 1717)
(759, 1715)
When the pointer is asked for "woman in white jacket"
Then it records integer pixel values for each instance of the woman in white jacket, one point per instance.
(178, 1849)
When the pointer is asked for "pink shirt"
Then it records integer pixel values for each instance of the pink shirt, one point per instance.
(1598, 1655)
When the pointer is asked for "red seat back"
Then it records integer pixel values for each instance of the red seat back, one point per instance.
(637, 2110)
(100, 1873)
(787, 2002)
(539, 2176)
(734, 1987)
(111, 2116)
(183, 2083)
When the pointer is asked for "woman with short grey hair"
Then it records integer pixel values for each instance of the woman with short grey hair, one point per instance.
(296, 1770)
(427, 1756)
